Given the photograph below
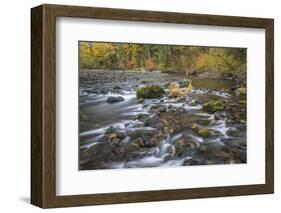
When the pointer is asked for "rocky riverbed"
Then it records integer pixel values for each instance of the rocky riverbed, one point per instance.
(131, 119)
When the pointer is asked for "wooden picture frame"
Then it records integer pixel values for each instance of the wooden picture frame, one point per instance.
(43, 105)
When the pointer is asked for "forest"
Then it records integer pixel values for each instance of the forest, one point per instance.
(228, 62)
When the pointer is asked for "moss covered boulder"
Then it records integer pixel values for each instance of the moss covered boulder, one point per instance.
(150, 92)
(213, 106)
(241, 91)
(204, 132)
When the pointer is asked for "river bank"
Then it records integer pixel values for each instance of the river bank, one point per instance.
(207, 125)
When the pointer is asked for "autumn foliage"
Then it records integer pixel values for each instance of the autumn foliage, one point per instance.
(166, 58)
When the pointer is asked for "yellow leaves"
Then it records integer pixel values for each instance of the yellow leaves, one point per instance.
(150, 64)
(85, 54)
(102, 50)
(175, 91)
(188, 89)
(166, 58)
(84, 48)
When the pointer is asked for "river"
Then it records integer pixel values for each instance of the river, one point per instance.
(158, 132)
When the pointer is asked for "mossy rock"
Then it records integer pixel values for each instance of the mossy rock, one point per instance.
(241, 91)
(204, 132)
(243, 102)
(150, 92)
(195, 127)
(213, 106)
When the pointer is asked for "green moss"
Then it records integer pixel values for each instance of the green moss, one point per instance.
(150, 92)
(213, 106)
(244, 102)
(241, 91)
(204, 132)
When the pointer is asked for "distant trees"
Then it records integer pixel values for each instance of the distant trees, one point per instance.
(167, 58)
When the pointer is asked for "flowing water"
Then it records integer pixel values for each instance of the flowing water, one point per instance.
(158, 132)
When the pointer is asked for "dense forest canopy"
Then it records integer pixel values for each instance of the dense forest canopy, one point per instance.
(166, 58)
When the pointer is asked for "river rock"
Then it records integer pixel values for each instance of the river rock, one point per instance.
(102, 152)
(184, 83)
(141, 132)
(131, 151)
(117, 87)
(241, 91)
(234, 132)
(214, 154)
(158, 109)
(213, 106)
(150, 92)
(185, 146)
(145, 141)
(234, 142)
(219, 115)
(114, 99)
(205, 132)
(193, 161)
(152, 121)
(167, 157)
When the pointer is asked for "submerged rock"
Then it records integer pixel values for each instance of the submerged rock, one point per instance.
(150, 92)
(114, 99)
(213, 106)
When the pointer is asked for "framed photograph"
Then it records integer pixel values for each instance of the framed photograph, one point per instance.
(137, 106)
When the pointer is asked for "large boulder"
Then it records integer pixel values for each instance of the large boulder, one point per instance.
(150, 92)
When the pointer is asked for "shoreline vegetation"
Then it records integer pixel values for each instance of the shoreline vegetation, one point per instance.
(151, 106)
(225, 63)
